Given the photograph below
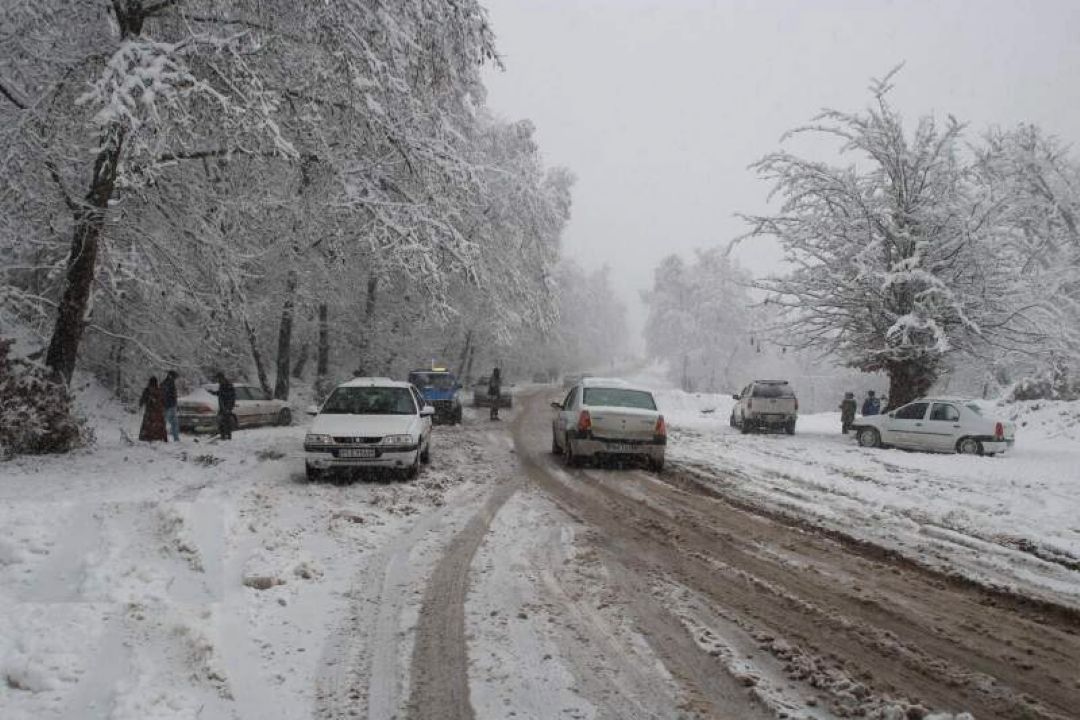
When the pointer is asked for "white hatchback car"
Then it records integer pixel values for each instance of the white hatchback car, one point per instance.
(608, 418)
(370, 423)
(938, 424)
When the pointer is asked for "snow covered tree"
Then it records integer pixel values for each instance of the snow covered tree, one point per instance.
(897, 258)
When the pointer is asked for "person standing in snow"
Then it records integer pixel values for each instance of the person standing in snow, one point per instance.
(871, 405)
(226, 397)
(153, 422)
(168, 391)
(495, 392)
(847, 411)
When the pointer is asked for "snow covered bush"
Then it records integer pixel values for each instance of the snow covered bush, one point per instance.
(35, 412)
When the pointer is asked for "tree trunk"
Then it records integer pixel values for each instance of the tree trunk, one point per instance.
(301, 362)
(256, 356)
(284, 348)
(469, 363)
(89, 224)
(909, 380)
(322, 363)
(369, 312)
(464, 354)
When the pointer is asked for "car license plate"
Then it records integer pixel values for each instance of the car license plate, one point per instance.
(620, 448)
(357, 453)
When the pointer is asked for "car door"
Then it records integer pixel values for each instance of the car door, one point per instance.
(944, 426)
(561, 418)
(906, 426)
(425, 422)
(245, 409)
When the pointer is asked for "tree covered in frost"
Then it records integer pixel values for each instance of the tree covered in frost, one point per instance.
(899, 260)
(278, 189)
(699, 320)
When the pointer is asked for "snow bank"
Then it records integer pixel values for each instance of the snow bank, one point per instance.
(1007, 520)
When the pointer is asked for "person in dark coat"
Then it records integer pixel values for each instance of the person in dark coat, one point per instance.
(495, 392)
(226, 397)
(847, 411)
(168, 391)
(153, 421)
(871, 405)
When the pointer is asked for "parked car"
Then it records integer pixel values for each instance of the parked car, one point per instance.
(480, 394)
(940, 424)
(198, 410)
(602, 418)
(440, 390)
(370, 423)
(766, 405)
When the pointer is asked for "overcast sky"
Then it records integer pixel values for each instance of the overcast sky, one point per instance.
(659, 106)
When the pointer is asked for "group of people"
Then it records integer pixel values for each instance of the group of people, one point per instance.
(160, 409)
(871, 406)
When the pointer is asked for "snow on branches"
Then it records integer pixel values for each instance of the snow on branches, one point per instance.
(898, 260)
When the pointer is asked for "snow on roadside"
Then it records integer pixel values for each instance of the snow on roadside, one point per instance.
(207, 573)
(1009, 520)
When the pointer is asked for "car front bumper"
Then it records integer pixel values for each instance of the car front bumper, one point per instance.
(322, 457)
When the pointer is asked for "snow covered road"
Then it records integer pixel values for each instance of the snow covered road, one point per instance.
(747, 581)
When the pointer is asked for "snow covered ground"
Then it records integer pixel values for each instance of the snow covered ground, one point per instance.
(188, 580)
(1012, 520)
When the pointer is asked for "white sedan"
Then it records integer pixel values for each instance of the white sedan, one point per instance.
(937, 424)
(198, 411)
(370, 423)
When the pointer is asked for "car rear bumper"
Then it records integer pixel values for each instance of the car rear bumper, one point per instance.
(993, 445)
(592, 447)
(325, 458)
(198, 423)
(770, 419)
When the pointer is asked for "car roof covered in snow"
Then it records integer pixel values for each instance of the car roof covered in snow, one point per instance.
(591, 382)
(374, 382)
(945, 398)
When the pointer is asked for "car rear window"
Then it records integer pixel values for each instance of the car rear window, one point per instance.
(619, 397)
(773, 390)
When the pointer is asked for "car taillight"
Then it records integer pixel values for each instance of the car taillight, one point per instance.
(999, 431)
(749, 404)
(584, 422)
(660, 430)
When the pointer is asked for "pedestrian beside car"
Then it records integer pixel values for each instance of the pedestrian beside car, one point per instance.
(871, 405)
(168, 392)
(226, 395)
(848, 406)
(153, 421)
(495, 392)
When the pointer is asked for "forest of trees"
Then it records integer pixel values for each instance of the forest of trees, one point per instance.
(934, 258)
(271, 188)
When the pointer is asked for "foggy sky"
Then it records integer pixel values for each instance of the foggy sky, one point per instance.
(659, 107)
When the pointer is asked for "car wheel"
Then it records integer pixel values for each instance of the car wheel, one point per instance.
(571, 459)
(414, 469)
(656, 464)
(284, 417)
(555, 449)
(969, 446)
(869, 437)
(790, 428)
(313, 474)
(744, 427)
(731, 421)
(425, 454)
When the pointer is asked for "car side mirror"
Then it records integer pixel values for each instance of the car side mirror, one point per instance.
(734, 397)
(427, 411)
(892, 415)
(557, 406)
(312, 410)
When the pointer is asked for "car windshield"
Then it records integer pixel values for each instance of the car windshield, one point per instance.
(974, 408)
(773, 390)
(439, 381)
(370, 401)
(619, 397)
